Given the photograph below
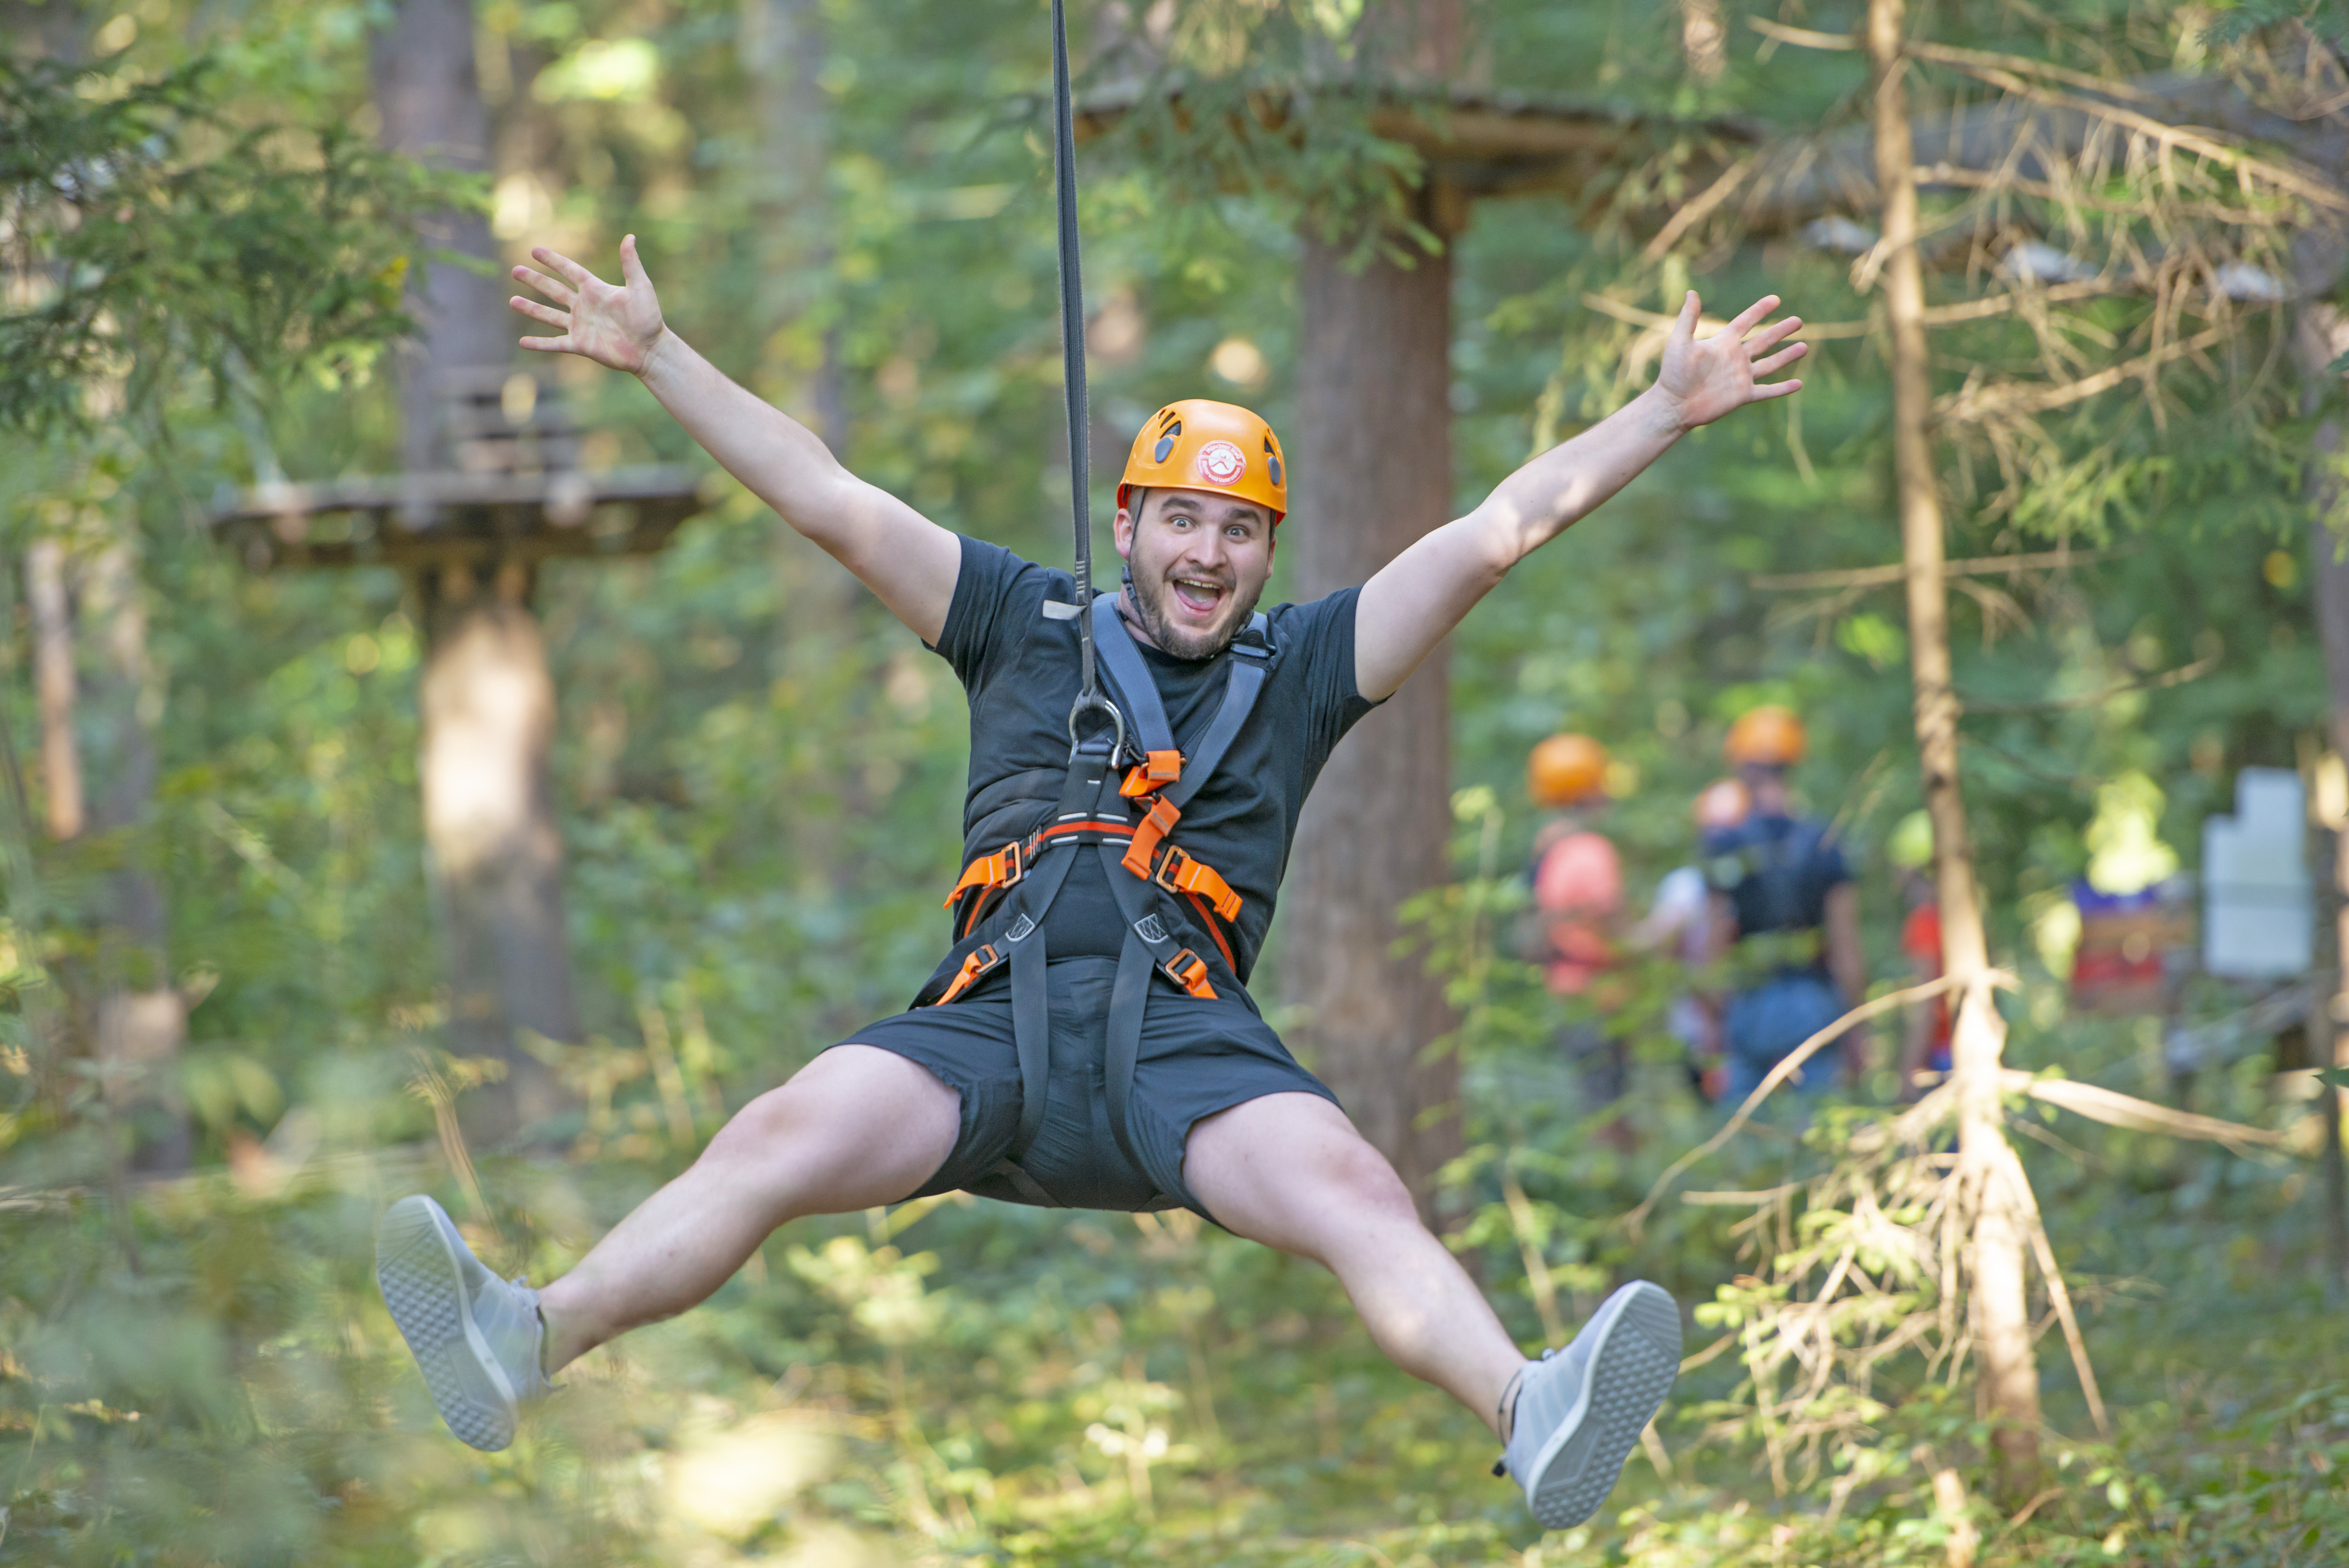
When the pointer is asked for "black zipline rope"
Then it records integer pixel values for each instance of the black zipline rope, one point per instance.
(1090, 695)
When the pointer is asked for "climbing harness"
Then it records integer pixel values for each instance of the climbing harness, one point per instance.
(1121, 799)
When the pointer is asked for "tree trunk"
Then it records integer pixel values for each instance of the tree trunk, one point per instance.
(429, 97)
(143, 1019)
(54, 681)
(1373, 471)
(494, 856)
(2322, 337)
(488, 702)
(820, 604)
(2010, 1375)
(783, 48)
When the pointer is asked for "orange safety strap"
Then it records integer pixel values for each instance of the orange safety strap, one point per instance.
(1207, 920)
(1158, 769)
(1189, 971)
(1179, 873)
(1000, 869)
(1153, 830)
(977, 963)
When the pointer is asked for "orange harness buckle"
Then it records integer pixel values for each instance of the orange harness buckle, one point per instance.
(1179, 872)
(1158, 769)
(1189, 971)
(976, 964)
(1000, 869)
(1148, 834)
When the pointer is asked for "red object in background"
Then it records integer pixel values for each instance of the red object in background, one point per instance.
(1578, 889)
(2119, 966)
(1920, 942)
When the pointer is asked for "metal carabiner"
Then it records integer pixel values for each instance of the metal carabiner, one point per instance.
(1098, 701)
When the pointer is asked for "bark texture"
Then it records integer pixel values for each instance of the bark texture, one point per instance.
(488, 702)
(56, 684)
(494, 857)
(141, 1019)
(2322, 337)
(1373, 471)
(1999, 1284)
(820, 606)
(428, 95)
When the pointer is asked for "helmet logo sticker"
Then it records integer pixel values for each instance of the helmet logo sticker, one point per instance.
(1220, 462)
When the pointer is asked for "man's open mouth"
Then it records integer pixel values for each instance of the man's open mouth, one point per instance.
(1198, 596)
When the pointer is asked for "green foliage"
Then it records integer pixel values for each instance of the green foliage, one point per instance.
(153, 230)
(758, 777)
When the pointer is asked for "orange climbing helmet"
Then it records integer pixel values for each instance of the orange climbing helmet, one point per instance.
(1767, 736)
(1201, 444)
(1565, 770)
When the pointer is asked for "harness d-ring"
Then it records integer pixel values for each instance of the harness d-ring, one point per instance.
(1095, 701)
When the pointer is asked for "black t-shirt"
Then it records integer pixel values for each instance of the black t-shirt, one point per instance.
(1777, 872)
(1020, 670)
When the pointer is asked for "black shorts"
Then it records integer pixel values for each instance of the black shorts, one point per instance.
(1196, 1058)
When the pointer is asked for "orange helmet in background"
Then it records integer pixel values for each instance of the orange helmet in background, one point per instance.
(1201, 444)
(1721, 806)
(1565, 770)
(1767, 736)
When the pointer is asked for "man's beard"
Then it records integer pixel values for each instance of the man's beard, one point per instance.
(1180, 642)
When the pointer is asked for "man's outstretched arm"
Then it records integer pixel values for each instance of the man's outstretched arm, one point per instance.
(1414, 603)
(902, 557)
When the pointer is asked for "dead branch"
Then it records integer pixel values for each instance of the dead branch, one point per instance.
(1695, 212)
(2178, 677)
(1786, 1068)
(2019, 1184)
(2308, 185)
(1979, 566)
(2116, 1109)
(2003, 399)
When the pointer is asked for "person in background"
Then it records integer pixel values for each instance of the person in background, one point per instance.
(1679, 926)
(1925, 1049)
(1784, 898)
(1578, 907)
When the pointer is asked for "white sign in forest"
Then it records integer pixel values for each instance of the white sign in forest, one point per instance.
(2257, 889)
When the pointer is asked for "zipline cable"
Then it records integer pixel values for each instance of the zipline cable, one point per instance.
(1072, 378)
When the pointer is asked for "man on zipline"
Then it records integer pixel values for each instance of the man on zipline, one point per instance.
(1132, 1071)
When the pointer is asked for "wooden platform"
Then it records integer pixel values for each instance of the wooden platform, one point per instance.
(515, 495)
(441, 519)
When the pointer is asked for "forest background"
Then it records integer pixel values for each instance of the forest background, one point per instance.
(757, 776)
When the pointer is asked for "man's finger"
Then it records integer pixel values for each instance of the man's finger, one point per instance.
(1775, 389)
(549, 344)
(1775, 333)
(1781, 359)
(546, 313)
(561, 293)
(578, 276)
(632, 270)
(1752, 314)
(1684, 329)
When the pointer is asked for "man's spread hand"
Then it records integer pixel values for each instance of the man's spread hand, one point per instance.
(616, 326)
(1701, 381)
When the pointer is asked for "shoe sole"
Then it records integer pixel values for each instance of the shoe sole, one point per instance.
(423, 1281)
(1633, 1361)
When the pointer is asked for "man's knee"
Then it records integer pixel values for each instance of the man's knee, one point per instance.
(850, 1099)
(1352, 1172)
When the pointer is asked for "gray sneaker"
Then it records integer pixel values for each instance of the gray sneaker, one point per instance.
(475, 1337)
(1580, 1409)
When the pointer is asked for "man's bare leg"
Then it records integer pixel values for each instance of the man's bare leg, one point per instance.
(856, 1127)
(1290, 1171)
